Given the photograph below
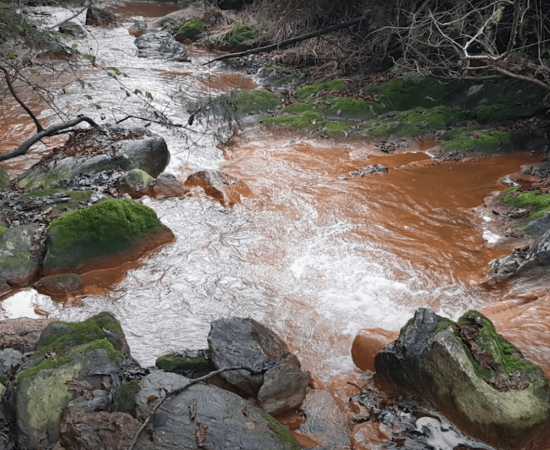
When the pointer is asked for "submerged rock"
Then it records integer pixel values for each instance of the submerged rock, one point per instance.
(83, 237)
(100, 430)
(59, 284)
(471, 374)
(21, 334)
(205, 416)
(160, 45)
(237, 342)
(223, 188)
(18, 261)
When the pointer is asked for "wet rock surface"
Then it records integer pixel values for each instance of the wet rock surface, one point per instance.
(21, 334)
(205, 416)
(237, 342)
(160, 45)
(472, 375)
(377, 168)
(19, 254)
(10, 360)
(59, 284)
(221, 187)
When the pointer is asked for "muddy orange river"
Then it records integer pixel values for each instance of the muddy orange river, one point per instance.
(310, 251)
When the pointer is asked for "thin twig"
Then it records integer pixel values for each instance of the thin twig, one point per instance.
(180, 390)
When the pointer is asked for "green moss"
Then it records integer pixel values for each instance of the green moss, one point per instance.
(537, 203)
(436, 118)
(249, 101)
(59, 337)
(442, 325)
(301, 122)
(476, 140)
(351, 108)
(170, 363)
(191, 29)
(401, 94)
(281, 432)
(304, 92)
(497, 113)
(110, 226)
(406, 327)
(62, 360)
(5, 182)
(503, 352)
(4, 379)
(3, 229)
(76, 197)
(241, 33)
(297, 108)
(125, 397)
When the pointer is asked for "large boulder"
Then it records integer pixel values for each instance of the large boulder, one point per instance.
(79, 239)
(160, 45)
(72, 366)
(99, 17)
(18, 259)
(22, 334)
(100, 430)
(97, 150)
(59, 285)
(474, 376)
(238, 342)
(205, 416)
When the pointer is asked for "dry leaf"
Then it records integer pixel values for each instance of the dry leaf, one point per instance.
(151, 398)
(81, 387)
(200, 434)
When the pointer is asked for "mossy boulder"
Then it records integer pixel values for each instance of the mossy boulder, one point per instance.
(242, 34)
(185, 365)
(18, 261)
(190, 30)
(471, 374)
(4, 179)
(59, 337)
(61, 284)
(43, 391)
(536, 202)
(304, 92)
(477, 140)
(80, 238)
(252, 101)
(125, 397)
(136, 182)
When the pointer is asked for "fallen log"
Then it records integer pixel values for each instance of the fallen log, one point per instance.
(288, 42)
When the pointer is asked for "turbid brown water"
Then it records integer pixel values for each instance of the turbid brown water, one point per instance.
(313, 252)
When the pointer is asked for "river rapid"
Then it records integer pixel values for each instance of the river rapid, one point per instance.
(311, 252)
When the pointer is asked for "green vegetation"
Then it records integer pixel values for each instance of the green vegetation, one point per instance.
(442, 325)
(537, 203)
(191, 29)
(59, 337)
(103, 229)
(4, 379)
(476, 140)
(125, 397)
(307, 120)
(401, 94)
(241, 33)
(66, 359)
(497, 113)
(406, 327)
(4, 179)
(250, 101)
(304, 92)
(281, 432)
(3, 229)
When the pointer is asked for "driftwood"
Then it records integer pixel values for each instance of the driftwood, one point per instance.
(288, 42)
(50, 131)
(175, 392)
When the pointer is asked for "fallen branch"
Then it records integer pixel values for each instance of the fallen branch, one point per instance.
(288, 42)
(50, 131)
(179, 391)
(39, 127)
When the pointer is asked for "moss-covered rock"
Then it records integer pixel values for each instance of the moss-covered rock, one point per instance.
(184, 364)
(59, 284)
(18, 263)
(304, 92)
(242, 33)
(42, 391)
(135, 182)
(476, 140)
(472, 375)
(59, 337)
(4, 179)
(191, 30)
(252, 101)
(536, 202)
(125, 397)
(82, 237)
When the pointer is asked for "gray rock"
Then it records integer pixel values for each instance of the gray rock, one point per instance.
(99, 17)
(22, 267)
(96, 400)
(540, 226)
(9, 358)
(110, 147)
(167, 185)
(5, 288)
(138, 28)
(22, 334)
(102, 430)
(237, 342)
(136, 182)
(205, 416)
(72, 29)
(59, 284)
(160, 45)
